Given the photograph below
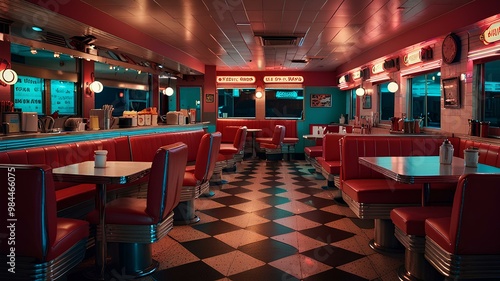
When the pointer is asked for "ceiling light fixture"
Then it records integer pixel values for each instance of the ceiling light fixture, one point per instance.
(36, 28)
(33, 51)
(57, 54)
(169, 91)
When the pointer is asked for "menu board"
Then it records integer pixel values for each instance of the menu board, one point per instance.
(28, 93)
(62, 97)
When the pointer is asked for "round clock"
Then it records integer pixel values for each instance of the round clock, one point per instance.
(451, 48)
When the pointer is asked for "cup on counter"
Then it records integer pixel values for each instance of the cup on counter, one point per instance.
(94, 122)
(100, 158)
(471, 157)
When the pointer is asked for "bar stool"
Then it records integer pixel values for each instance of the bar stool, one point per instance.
(46, 247)
(133, 224)
(196, 178)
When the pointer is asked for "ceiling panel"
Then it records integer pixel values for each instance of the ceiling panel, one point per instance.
(223, 32)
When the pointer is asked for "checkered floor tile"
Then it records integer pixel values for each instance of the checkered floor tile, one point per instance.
(271, 221)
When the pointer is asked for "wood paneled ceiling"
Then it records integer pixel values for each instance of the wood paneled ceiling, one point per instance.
(187, 34)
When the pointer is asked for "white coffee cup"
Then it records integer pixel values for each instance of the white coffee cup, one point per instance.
(471, 157)
(100, 158)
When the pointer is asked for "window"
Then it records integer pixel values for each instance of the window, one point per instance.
(28, 94)
(284, 103)
(386, 101)
(236, 102)
(491, 107)
(63, 97)
(426, 99)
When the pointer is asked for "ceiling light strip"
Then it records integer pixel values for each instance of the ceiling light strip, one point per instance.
(421, 68)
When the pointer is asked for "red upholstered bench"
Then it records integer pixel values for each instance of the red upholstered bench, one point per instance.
(73, 200)
(465, 245)
(409, 225)
(370, 195)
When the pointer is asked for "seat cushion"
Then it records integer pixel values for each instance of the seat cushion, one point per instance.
(411, 220)
(124, 210)
(382, 191)
(331, 167)
(189, 178)
(438, 229)
(313, 151)
(69, 232)
(290, 140)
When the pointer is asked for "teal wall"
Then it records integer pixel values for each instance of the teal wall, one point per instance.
(319, 115)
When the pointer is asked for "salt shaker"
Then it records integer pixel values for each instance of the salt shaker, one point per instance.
(446, 152)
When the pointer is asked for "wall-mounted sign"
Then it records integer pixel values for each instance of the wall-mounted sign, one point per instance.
(286, 94)
(283, 79)
(28, 94)
(491, 34)
(417, 56)
(378, 68)
(235, 79)
(356, 75)
(413, 57)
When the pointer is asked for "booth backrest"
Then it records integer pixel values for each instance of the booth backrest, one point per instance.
(488, 152)
(142, 152)
(35, 209)
(474, 227)
(331, 147)
(267, 127)
(165, 180)
(66, 154)
(355, 146)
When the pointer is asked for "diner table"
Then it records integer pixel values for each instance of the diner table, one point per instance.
(115, 172)
(424, 170)
(254, 146)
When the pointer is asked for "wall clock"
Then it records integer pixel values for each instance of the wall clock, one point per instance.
(451, 48)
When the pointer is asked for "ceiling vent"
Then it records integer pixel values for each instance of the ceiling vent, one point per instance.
(280, 40)
(55, 39)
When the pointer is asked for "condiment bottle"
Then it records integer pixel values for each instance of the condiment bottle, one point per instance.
(446, 152)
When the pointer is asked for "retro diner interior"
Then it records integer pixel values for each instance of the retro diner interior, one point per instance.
(281, 107)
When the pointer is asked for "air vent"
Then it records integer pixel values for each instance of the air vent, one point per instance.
(280, 40)
(299, 61)
(55, 39)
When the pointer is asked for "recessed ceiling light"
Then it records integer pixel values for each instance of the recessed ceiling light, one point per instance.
(37, 28)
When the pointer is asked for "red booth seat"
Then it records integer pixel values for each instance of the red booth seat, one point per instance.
(465, 245)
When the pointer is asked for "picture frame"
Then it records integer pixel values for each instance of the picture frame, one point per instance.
(451, 92)
(14, 120)
(321, 100)
(209, 98)
(367, 102)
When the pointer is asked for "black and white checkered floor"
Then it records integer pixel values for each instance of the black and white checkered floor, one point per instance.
(272, 221)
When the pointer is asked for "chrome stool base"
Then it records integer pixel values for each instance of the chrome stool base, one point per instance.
(184, 213)
(132, 260)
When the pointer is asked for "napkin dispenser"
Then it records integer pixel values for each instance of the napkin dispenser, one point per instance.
(29, 122)
(175, 118)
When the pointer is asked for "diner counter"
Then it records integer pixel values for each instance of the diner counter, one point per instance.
(27, 140)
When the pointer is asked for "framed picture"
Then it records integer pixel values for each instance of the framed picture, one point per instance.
(451, 92)
(209, 98)
(367, 102)
(321, 100)
(14, 120)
